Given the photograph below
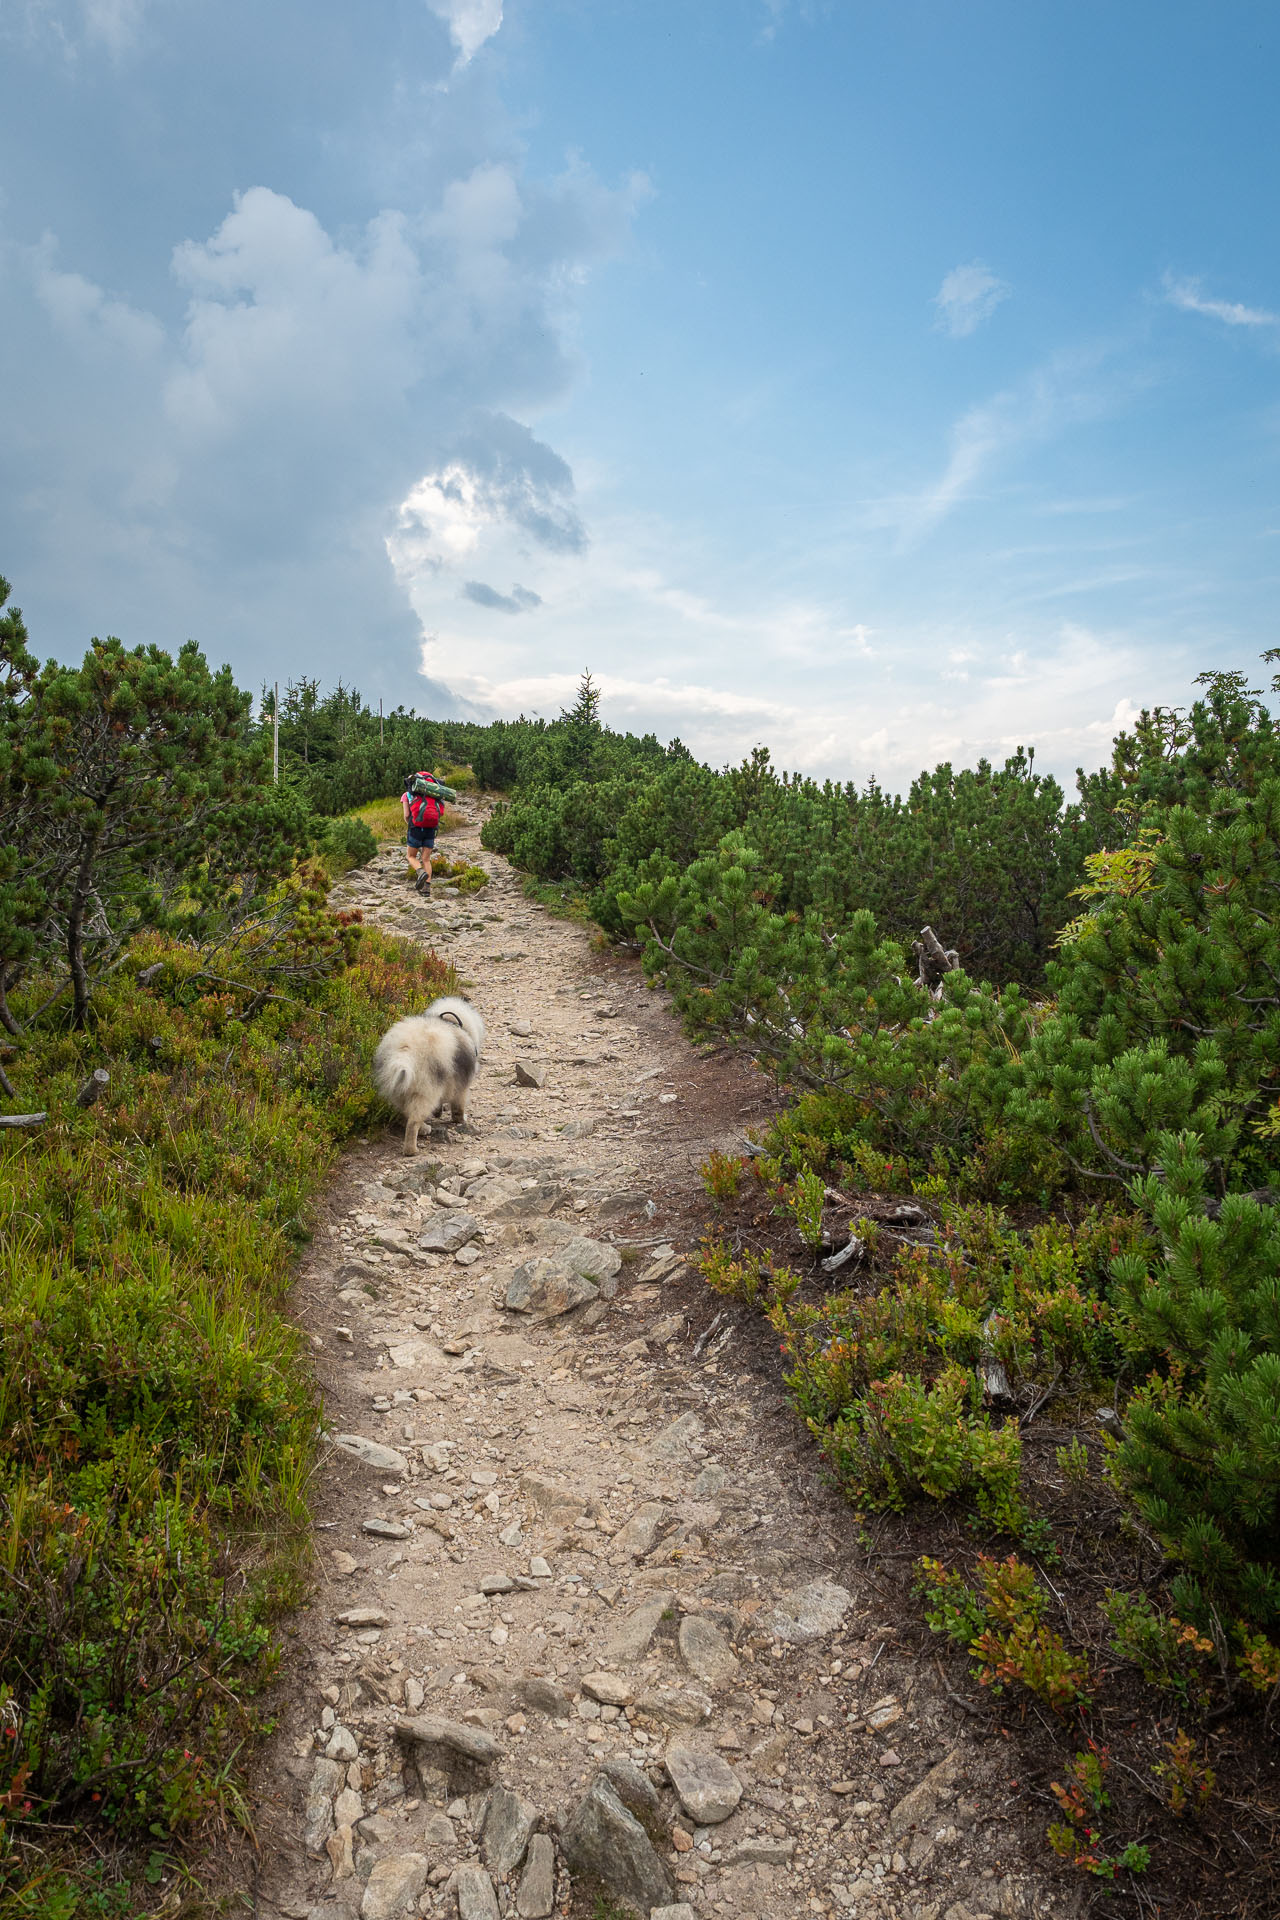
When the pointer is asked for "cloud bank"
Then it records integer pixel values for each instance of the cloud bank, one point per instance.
(238, 469)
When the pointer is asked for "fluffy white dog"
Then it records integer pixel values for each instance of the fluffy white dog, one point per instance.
(429, 1059)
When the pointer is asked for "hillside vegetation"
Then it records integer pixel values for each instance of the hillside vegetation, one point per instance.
(1024, 1193)
(164, 927)
(1015, 1231)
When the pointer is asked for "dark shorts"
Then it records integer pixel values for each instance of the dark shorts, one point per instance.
(422, 837)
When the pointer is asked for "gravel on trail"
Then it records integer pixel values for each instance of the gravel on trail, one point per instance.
(554, 1546)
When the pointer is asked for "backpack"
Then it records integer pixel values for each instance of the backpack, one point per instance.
(425, 807)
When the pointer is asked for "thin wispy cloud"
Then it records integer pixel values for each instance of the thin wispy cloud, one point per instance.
(1185, 294)
(968, 295)
(1049, 400)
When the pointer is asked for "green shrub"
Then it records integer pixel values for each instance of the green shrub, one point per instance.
(904, 1438)
(1201, 1456)
(1001, 1622)
(346, 843)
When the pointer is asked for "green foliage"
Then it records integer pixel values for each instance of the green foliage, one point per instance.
(347, 842)
(904, 1438)
(804, 1201)
(1167, 1651)
(138, 797)
(1085, 1803)
(1187, 1779)
(722, 1175)
(157, 1418)
(1000, 1620)
(1201, 1457)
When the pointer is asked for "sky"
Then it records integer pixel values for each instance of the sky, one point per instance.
(886, 383)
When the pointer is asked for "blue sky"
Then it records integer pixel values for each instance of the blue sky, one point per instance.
(886, 382)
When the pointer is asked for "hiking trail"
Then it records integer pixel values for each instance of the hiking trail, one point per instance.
(585, 1616)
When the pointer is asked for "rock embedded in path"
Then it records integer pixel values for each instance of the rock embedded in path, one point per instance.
(339, 1849)
(370, 1453)
(628, 1641)
(476, 1897)
(538, 1695)
(919, 1808)
(708, 1789)
(635, 1790)
(681, 1911)
(394, 1886)
(706, 1652)
(676, 1706)
(449, 1231)
(606, 1845)
(508, 1827)
(416, 1355)
(317, 1821)
(809, 1613)
(465, 1755)
(553, 1502)
(530, 1074)
(544, 1288)
(610, 1689)
(536, 1898)
(554, 1283)
(385, 1529)
(637, 1534)
(678, 1437)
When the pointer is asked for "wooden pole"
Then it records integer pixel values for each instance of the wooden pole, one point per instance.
(275, 734)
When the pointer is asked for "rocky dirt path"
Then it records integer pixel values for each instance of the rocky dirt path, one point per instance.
(581, 1632)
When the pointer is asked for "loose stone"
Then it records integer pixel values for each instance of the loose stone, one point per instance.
(708, 1789)
(706, 1652)
(370, 1454)
(394, 1886)
(476, 1897)
(536, 1897)
(602, 1841)
(508, 1826)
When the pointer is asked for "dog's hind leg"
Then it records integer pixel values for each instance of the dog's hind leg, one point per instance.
(411, 1126)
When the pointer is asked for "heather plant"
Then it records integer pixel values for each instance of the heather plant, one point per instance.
(722, 1175)
(905, 1437)
(157, 1414)
(1167, 1651)
(1000, 1621)
(1085, 1802)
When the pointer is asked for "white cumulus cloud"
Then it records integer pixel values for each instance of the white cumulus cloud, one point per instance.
(968, 296)
(470, 23)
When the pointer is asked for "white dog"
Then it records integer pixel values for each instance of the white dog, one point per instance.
(429, 1059)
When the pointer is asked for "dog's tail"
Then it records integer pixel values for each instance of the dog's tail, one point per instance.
(393, 1072)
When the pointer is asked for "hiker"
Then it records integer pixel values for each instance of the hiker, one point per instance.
(422, 804)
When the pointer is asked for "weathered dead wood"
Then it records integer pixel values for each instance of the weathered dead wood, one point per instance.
(94, 1087)
(933, 960)
(22, 1119)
